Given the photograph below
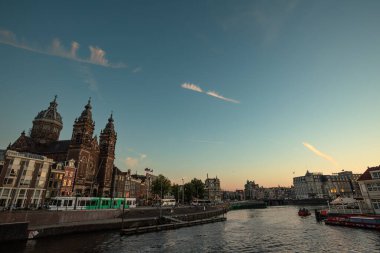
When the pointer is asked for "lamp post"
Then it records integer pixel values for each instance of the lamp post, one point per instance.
(183, 192)
(122, 216)
(161, 200)
(178, 194)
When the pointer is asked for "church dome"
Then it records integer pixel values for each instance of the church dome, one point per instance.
(50, 114)
(47, 125)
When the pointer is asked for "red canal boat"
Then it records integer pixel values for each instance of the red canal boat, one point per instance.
(304, 212)
(354, 220)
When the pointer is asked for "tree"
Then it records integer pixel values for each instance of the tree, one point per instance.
(161, 186)
(194, 189)
(198, 188)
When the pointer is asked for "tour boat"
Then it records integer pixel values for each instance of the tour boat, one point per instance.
(354, 220)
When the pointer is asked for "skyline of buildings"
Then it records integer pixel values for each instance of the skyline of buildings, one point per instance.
(29, 180)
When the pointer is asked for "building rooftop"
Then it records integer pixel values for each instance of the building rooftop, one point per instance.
(367, 174)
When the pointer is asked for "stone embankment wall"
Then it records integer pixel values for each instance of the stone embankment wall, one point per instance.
(42, 218)
(52, 223)
(13, 231)
(167, 211)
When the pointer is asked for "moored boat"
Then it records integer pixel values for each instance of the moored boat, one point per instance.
(321, 215)
(354, 220)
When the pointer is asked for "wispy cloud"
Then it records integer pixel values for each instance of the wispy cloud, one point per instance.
(214, 94)
(97, 55)
(319, 153)
(191, 86)
(133, 161)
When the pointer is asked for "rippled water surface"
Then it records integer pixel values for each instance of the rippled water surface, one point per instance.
(275, 229)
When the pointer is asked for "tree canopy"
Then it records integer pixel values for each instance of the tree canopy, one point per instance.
(161, 186)
(194, 189)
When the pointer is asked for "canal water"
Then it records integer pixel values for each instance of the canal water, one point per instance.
(275, 229)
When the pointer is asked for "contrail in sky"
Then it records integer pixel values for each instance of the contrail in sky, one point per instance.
(319, 153)
(194, 87)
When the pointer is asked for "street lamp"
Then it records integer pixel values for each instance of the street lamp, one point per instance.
(178, 194)
(161, 201)
(122, 216)
(183, 192)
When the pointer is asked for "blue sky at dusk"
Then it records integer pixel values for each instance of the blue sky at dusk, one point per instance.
(258, 90)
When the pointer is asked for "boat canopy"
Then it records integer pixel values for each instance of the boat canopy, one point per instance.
(343, 201)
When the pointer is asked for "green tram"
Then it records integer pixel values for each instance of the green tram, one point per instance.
(90, 203)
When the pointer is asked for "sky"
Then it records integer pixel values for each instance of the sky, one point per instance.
(239, 90)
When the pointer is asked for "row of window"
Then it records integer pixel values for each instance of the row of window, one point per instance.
(376, 204)
(373, 187)
(375, 174)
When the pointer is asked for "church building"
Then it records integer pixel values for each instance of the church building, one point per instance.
(94, 159)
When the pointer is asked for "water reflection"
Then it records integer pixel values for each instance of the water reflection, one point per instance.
(275, 229)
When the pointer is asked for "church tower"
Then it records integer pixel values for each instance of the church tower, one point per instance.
(84, 150)
(108, 139)
(47, 125)
(83, 128)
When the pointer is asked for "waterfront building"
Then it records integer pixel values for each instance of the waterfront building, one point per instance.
(94, 160)
(138, 188)
(149, 179)
(233, 195)
(251, 190)
(55, 181)
(68, 178)
(279, 193)
(317, 185)
(343, 184)
(23, 179)
(309, 186)
(369, 183)
(119, 183)
(212, 189)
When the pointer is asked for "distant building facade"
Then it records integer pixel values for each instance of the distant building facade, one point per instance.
(94, 160)
(120, 186)
(55, 181)
(233, 195)
(251, 190)
(68, 183)
(212, 189)
(23, 179)
(317, 185)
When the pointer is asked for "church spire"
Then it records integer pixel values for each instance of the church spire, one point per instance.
(86, 115)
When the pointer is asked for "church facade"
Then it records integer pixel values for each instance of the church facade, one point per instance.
(94, 159)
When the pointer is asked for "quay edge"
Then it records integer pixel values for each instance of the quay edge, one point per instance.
(133, 218)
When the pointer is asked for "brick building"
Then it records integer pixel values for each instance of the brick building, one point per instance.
(94, 160)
